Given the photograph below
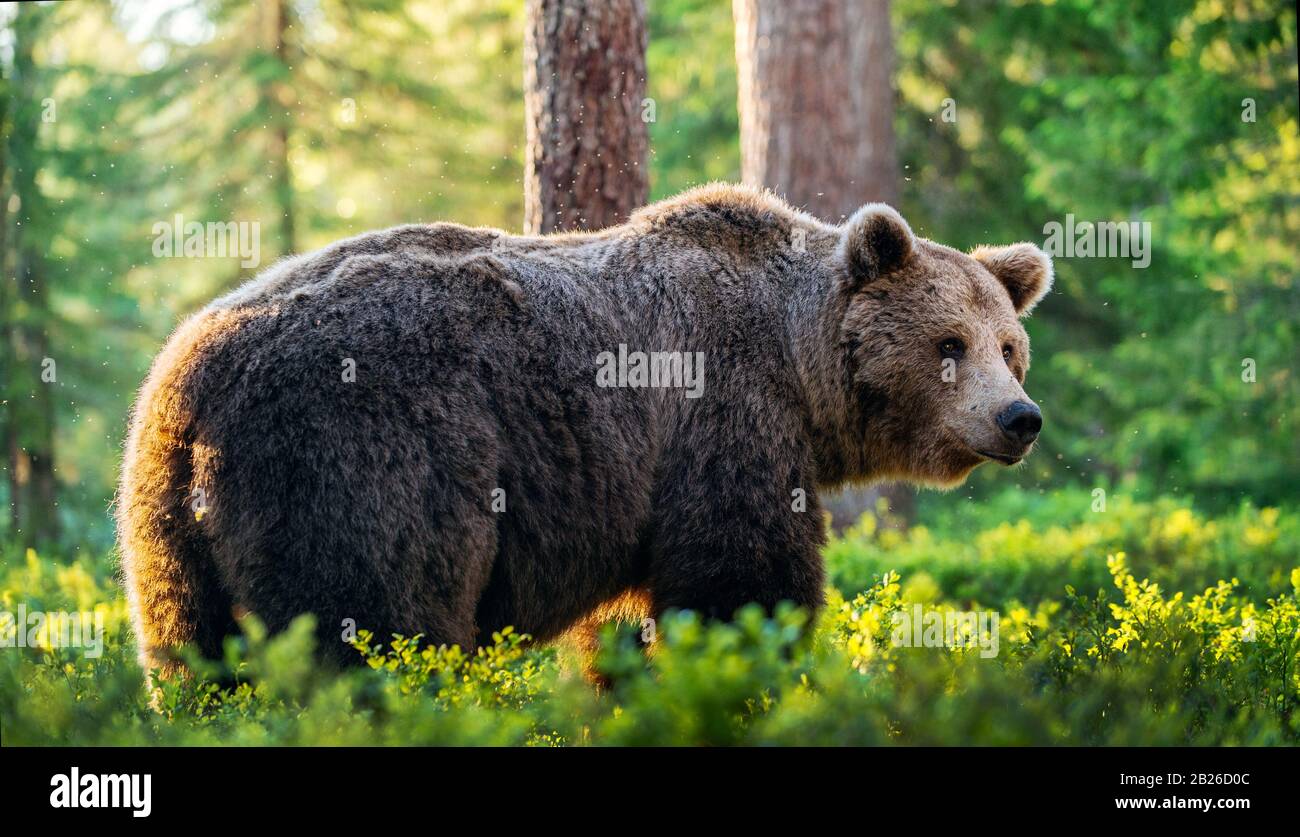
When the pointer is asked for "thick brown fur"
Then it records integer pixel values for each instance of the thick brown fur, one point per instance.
(475, 357)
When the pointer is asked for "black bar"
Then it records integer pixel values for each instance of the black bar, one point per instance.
(328, 785)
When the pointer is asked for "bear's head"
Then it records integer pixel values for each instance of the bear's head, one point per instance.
(937, 355)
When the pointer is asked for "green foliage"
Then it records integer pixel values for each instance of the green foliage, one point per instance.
(691, 75)
(1127, 663)
(1117, 111)
(503, 675)
(1042, 543)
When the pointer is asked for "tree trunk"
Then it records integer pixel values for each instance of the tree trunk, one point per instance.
(816, 126)
(8, 436)
(584, 94)
(30, 418)
(277, 98)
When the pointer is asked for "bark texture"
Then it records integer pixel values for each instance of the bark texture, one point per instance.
(817, 103)
(584, 89)
(25, 395)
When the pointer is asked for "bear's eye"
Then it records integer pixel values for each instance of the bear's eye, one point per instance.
(952, 347)
(1007, 352)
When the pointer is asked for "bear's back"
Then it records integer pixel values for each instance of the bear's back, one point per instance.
(292, 275)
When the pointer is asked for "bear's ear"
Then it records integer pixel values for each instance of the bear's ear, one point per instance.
(1025, 270)
(876, 241)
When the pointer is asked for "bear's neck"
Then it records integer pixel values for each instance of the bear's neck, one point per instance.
(842, 414)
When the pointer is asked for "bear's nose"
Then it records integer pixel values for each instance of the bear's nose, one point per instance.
(1021, 421)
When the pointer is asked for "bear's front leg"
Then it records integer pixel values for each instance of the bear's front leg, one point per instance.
(740, 527)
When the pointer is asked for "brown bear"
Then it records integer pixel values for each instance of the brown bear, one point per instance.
(444, 431)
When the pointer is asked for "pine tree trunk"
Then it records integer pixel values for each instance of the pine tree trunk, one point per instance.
(30, 416)
(816, 126)
(584, 94)
(817, 101)
(8, 439)
(277, 98)
(8, 289)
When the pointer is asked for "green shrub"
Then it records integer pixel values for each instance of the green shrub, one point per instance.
(1032, 560)
(1091, 651)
